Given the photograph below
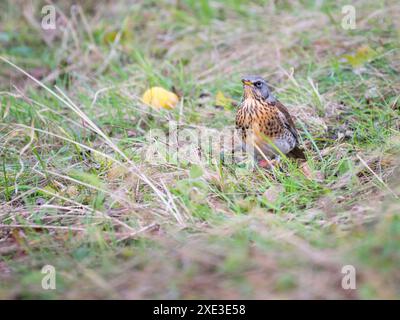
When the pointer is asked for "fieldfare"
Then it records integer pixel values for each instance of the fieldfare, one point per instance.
(265, 124)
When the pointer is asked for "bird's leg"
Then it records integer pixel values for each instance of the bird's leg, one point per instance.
(269, 163)
(264, 163)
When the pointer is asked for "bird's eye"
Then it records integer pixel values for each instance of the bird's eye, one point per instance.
(258, 84)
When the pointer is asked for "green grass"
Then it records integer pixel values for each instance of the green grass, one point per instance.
(77, 192)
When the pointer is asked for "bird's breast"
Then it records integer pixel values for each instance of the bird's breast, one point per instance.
(260, 124)
(258, 117)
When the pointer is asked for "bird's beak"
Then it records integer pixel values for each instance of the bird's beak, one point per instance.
(246, 82)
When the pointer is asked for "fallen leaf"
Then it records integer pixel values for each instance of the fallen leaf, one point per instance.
(222, 101)
(363, 55)
(160, 98)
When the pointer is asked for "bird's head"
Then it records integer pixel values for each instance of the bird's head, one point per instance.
(256, 87)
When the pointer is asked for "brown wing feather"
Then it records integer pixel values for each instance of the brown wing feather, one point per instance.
(288, 120)
(296, 152)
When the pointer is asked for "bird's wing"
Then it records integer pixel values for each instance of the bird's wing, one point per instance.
(296, 152)
(287, 120)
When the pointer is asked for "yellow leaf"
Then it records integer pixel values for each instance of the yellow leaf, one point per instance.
(110, 37)
(158, 97)
(222, 101)
(365, 51)
(125, 36)
(363, 55)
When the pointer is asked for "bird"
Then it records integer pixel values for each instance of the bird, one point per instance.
(265, 125)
